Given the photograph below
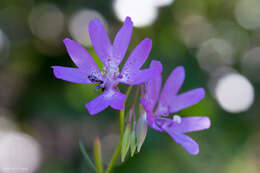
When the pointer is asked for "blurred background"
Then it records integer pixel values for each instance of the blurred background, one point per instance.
(43, 118)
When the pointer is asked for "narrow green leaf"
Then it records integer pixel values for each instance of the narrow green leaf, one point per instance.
(132, 143)
(86, 156)
(125, 143)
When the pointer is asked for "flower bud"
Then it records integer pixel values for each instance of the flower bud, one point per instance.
(141, 130)
(133, 142)
(125, 142)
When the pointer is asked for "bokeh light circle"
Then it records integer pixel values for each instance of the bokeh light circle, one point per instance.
(46, 22)
(234, 93)
(251, 63)
(195, 29)
(143, 13)
(19, 153)
(160, 3)
(247, 13)
(78, 25)
(215, 53)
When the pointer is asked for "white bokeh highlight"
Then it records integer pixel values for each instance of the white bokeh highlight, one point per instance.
(143, 13)
(234, 93)
(247, 13)
(78, 25)
(19, 153)
(161, 3)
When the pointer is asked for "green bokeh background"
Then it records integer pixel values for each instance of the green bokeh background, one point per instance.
(52, 111)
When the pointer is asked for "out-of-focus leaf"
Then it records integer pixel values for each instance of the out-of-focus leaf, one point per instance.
(125, 143)
(132, 143)
(86, 156)
(141, 130)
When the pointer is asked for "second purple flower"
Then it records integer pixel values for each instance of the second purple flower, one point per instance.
(169, 101)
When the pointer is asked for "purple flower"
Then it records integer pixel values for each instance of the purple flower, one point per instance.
(170, 102)
(111, 56)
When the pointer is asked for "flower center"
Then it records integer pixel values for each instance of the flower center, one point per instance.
(94, 79)
(177, 119)
(108, 79)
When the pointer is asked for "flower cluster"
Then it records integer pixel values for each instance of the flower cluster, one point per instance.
(157, 104)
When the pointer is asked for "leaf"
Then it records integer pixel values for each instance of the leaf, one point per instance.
(141, 130)
(132, 143)
(86, 156)
(125, 143)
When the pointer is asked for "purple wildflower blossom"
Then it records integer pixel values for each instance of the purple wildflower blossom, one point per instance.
(170, 102)
(111, 56)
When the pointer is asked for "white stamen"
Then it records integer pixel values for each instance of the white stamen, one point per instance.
(177, 119)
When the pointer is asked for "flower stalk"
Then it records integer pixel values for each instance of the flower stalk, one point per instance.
(118, 149)
(97, 155)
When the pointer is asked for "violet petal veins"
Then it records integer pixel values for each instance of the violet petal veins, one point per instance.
(169, 101)
(111, 55)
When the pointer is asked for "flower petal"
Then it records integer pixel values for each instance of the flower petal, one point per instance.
(116, 99)
(141, 76)
(100, 40)
(188, 143)
(190, 124)
(153, 86)
(171, 88)
(171, 103)
(70, 74)
(80, 56)
(122, 40)
(186, 99)
(110, 97)
(136, 60)
(174, 82)
(152, 122)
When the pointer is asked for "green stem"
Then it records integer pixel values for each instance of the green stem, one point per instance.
(86, 156)
(114, 158)
(122, 113)
(97, 154)
(122, 123)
